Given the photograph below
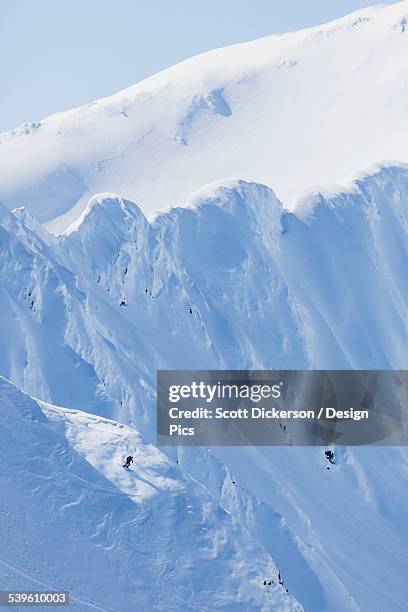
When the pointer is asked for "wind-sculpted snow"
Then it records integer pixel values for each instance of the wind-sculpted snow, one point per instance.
(233, 280)
(148, 539)
(290, 111)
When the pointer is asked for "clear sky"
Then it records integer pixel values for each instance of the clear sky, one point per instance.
(58, 54)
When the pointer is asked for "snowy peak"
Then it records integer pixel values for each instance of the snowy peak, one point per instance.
(229, 281)
(220, 226)
(109, 241)
(385, 179)
(115, 246)
(107, 211)
(29, 222)
(7, 219)
(224, 278)
(243, 277)
(290, 111)
(238, 197)
(217, 205)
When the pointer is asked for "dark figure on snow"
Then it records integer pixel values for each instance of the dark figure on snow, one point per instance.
(329, 456)
(128, 461)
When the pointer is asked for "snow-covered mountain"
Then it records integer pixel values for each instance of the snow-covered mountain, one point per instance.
(73, 519)
(231, 278)
(290, 111)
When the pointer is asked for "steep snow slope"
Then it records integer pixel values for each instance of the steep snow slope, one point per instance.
(43, 312)
(149, 539)
(288, 110)
(233, 280)
(350, 521)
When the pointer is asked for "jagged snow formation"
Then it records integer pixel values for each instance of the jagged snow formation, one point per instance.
(149, 538)
(232, 280)
(289, 111)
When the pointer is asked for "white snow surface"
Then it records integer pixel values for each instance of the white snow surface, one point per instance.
(232, 277)
(73, 519)
(233, 280)
(290, 111)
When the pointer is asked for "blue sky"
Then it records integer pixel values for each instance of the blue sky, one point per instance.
(57, 54)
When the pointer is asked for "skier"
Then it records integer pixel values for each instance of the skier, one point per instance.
(128, 461)
(329, 456)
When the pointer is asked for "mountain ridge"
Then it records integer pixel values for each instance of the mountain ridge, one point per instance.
(226, 275)
(239, 116)
(123, 533)
(233, 281)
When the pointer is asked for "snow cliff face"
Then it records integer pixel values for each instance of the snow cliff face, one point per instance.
(290, 111)
(231, 280)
